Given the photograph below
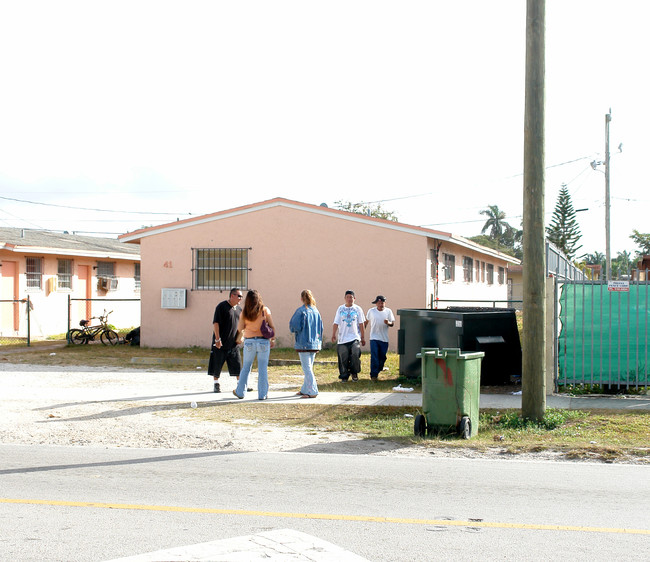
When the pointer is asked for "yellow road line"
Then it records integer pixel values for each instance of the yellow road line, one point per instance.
(364, 518)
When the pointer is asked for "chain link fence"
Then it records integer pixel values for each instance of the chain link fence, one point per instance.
(15, 321)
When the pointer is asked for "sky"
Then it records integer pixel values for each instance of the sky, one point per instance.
(126, 114)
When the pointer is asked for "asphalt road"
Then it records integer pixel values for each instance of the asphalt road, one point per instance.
(83, 503)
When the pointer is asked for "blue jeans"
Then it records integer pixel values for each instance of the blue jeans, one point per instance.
(309, 385)
(260, 348)
(378, 351)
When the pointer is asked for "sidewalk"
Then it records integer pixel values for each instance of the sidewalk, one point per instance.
(409, 399)
(495, 401)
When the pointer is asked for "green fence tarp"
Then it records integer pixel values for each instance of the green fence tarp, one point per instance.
(603, 335)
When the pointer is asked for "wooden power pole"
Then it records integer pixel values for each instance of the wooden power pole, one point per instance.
(534, 333)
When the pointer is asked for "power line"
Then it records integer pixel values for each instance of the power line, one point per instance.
(506, 178)
(90, 209)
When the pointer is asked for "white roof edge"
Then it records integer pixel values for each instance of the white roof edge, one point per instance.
(483, 249)
(319, 211)
(419, 231)
(70, 252)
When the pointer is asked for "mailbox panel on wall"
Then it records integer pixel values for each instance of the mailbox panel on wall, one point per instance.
(173, 298)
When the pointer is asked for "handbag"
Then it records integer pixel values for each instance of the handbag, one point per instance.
(267, 331)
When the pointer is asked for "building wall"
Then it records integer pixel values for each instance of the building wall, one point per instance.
(291, 250)
(457, 292)
(49, 314)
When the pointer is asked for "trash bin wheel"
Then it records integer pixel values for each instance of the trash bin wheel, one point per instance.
(465, 428)
(420, 425)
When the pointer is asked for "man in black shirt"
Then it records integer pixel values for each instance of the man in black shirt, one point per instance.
(224, 338)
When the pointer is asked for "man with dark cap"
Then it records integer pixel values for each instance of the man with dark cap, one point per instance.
(380, 319)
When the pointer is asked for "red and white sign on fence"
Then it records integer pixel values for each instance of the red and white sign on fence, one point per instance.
(618, 286)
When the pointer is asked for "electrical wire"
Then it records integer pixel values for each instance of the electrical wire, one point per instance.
(90, 209)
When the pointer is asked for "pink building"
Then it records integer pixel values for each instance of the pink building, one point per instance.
(281, 247)
(50, 268)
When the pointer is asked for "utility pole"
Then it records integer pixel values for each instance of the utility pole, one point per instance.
(533, 383)
(608, 251)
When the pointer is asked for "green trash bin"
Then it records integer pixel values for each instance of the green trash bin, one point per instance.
(451, 388)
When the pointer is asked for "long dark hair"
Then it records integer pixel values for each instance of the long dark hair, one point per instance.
(253, 305)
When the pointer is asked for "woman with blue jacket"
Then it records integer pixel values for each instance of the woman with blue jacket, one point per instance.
(307, 325)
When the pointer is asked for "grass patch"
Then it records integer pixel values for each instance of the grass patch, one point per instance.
(600, 435)
(570, 434)
(95, 354)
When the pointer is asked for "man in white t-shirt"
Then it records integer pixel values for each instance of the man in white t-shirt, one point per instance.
(380, 319)
(349, 335)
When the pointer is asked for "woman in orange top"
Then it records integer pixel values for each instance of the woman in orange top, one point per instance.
(255, 345)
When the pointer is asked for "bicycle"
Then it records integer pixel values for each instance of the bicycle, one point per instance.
(88, 333)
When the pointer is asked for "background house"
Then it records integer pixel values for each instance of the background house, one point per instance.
(50, 267)
(281, 247)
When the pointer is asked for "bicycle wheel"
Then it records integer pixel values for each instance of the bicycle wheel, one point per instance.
(109, 337)
(77, 337)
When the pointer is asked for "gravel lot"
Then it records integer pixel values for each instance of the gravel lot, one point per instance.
(118, 408)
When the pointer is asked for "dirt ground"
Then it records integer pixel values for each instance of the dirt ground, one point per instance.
(119, 408)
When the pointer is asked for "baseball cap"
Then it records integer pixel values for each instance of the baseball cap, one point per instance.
(379, 298)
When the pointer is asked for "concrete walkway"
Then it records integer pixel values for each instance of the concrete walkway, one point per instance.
(496, 401)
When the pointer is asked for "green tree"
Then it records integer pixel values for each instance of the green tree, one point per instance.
(496, 223)
(597, 258)
(501, 235)
(641, 240)
(621, 263)
(485, 240)
(563, 231)
(366, 209)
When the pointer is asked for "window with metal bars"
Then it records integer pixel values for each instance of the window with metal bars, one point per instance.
(468, 269)
(34, 273)
(136, 276)
(450, 267)
(64, 274)
(106, 269)
(220, 269)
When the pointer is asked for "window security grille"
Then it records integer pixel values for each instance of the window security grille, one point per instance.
(136, 276)
(64, 274)
(106, 269)
(219, 269)
(468, 269)
(34, 273)
(450, 267)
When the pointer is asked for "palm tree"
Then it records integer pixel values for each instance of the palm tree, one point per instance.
(621, 264)
(597, 258)
(496, 223)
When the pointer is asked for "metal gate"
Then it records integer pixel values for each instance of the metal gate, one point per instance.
(603, 332)
(14, 321)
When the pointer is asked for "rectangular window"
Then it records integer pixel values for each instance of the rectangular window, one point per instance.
(490, 274)
(477, 275)
(220, 269)
(450, 267)
(136, 276)
(64, 275)
(502, 276)
(468, 269)
(106, 269)
(482, 272)
(34, 273)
